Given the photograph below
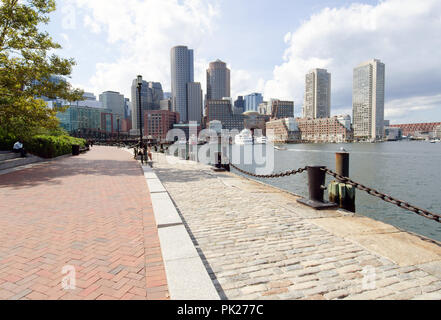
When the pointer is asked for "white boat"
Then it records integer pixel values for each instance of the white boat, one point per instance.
(244, 137)
(280, 148)
(260, 140)
(435, 141)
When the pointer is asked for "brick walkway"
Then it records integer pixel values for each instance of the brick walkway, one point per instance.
(89, 216)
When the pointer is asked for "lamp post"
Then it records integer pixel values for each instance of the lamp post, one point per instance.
(139, 80)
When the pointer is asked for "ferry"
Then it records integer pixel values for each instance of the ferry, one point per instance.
(260, 140)
(244, 138)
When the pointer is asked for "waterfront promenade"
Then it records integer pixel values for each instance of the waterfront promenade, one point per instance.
(91, 214)
(257, 242)
(114, 223)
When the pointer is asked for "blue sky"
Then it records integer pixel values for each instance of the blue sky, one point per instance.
(269, 45)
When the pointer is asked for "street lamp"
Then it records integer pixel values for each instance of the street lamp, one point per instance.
(139, 81)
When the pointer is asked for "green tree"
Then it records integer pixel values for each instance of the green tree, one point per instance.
(26, 67)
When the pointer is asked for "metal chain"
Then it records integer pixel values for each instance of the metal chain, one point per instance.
(270, 176)
(385, 197)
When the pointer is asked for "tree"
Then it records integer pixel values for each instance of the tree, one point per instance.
(27, 69)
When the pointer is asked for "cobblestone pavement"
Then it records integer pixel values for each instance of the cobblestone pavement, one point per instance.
(89, 216)
(258, 243)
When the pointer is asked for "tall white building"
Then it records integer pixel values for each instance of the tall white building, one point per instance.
(182, 72)
(218, 80)
(368, 100)
(317, 102)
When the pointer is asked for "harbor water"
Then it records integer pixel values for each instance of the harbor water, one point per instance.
(407, 170)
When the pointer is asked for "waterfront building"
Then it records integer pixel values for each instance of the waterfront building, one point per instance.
(283, 131)
(221, 110)
(417, 129)
(159, 122)
(194, 102)
(368, 100)
(437, 132)
(317, 102)
(282, 109)
(113, 101)
(182, 72)
(76, 118)
(324, 130)
(392, 134)
(252, 101)
(218, 80)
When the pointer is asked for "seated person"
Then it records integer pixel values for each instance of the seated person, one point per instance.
(18, 148)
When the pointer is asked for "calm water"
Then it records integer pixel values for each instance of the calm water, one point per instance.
(407, 170)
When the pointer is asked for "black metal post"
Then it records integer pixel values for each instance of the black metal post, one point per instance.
(140, 109)
(316, 186)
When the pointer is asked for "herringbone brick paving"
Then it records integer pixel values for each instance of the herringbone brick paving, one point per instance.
(92, 213)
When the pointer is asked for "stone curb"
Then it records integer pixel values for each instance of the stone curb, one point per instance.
(187, 277)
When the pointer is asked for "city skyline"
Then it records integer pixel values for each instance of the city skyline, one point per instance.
(283, 53)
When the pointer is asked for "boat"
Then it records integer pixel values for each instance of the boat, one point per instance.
(280, 148)
(244, 138)
(260, 140)
(435, 141)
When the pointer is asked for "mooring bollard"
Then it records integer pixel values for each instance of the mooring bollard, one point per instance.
(316, 186)
(342, 163)
(339, 191)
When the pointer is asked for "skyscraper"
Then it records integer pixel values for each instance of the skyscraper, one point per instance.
(182, 72)
(194, 102)
(368, 100)
(114, 101)
(317, 94)
(252, 101)
(155, 95)
(218, 80)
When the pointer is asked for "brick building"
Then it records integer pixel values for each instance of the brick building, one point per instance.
(324, 130)
(283, 131)
(414, 129)
(158, 122)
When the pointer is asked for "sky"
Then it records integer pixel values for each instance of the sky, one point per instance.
(269, 45)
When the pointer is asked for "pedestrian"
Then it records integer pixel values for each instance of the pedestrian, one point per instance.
(18, 148)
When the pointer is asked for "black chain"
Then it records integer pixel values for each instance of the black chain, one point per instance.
(385, 197)
(270, 176)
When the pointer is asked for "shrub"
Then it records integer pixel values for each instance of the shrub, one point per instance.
(52, 146)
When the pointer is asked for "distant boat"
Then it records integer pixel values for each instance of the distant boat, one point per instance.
(244, 138)
(280, 148)
(435, 141)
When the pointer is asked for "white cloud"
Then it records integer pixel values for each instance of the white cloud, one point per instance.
(405, 109)
(404, 34)
(142, 34)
